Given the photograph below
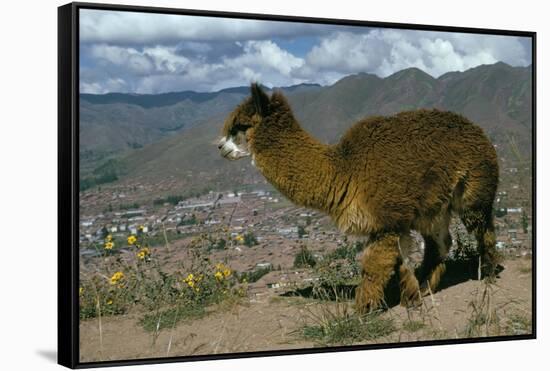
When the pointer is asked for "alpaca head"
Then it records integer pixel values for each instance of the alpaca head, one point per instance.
(240, 124)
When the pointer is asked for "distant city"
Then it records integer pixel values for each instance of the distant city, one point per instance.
(276, 228)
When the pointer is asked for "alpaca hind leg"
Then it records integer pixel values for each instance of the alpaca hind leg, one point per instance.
(475, 206)
(408, 284)
(378, 265)
(481, 225)
(433, 265)
(437, 245)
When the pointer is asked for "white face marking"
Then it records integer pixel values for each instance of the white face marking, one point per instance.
(230, 144)
(230, 150)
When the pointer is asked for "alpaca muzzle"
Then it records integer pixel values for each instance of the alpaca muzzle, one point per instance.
(230, 150)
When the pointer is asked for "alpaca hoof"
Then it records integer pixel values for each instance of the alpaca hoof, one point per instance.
(489, 272)
(425, 289)
(411, 299)
(410, 290)
(411, 302)
(431, 283)
(365, 307)
(367, 299)
(489, 275)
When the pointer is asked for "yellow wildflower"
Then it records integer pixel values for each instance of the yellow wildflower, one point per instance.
(218, 275)
(110, 301)
(132, 239)
(190, 280)
(116, 277)
(239, 238)
(226, 272)
(109, 245)
(143, 253)
(81, 291)
(109, 237)
(141, 228)
(219, 266)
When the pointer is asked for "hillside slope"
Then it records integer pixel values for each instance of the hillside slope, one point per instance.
(497, 97)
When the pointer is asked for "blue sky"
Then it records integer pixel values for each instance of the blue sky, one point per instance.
(155, 53)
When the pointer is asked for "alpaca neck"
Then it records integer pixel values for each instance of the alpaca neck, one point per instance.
(299, 166)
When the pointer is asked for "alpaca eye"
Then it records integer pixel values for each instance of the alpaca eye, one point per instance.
(239, 128)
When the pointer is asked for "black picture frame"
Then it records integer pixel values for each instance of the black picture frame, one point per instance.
(68, 182)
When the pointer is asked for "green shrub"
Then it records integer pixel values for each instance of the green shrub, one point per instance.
(249, 239)
(255, 275)
(304, 258)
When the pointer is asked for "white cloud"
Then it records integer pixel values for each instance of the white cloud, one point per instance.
(142, 62)
(106, 86)
(152, 53)
(347, 52)
(384, 52)
(265, 55)
(166, 59)
(161, 69)
(149, 28)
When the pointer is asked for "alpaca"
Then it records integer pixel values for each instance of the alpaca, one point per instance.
(385, 177)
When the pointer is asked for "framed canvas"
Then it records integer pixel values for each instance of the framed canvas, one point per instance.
(241, 185)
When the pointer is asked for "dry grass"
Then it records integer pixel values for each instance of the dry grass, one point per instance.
(333, 321)
(486, 318)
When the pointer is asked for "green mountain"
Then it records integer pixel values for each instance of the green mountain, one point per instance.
(115, 122)
(497, 97)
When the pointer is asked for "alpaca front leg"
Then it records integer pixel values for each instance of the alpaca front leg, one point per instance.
(408, 284)
(434, 278)
(378, 265)
(490, 258)
(409, 287)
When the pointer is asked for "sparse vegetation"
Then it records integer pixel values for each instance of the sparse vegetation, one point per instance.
(524, 221)
(108, 172)
(254, 275)
(171, 199)
(134, 205)
(518, 324)
(175, 199)
(301, 231)
(486, 316)
(219, 244)
(304, 258)
(338, 324)
(169, 317)
(249, 239)
(192, 220)
(118, 286)
(413, 326)
(339, 271)
(346, 251)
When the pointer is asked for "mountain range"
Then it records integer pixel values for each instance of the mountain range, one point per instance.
(174, 134)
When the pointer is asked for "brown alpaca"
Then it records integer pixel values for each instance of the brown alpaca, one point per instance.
(386, 177)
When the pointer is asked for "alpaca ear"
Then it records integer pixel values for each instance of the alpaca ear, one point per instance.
(260, 99)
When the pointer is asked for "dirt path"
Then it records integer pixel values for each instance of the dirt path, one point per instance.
(270, 322)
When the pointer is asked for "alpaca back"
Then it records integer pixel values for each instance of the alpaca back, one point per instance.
(408, 166)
